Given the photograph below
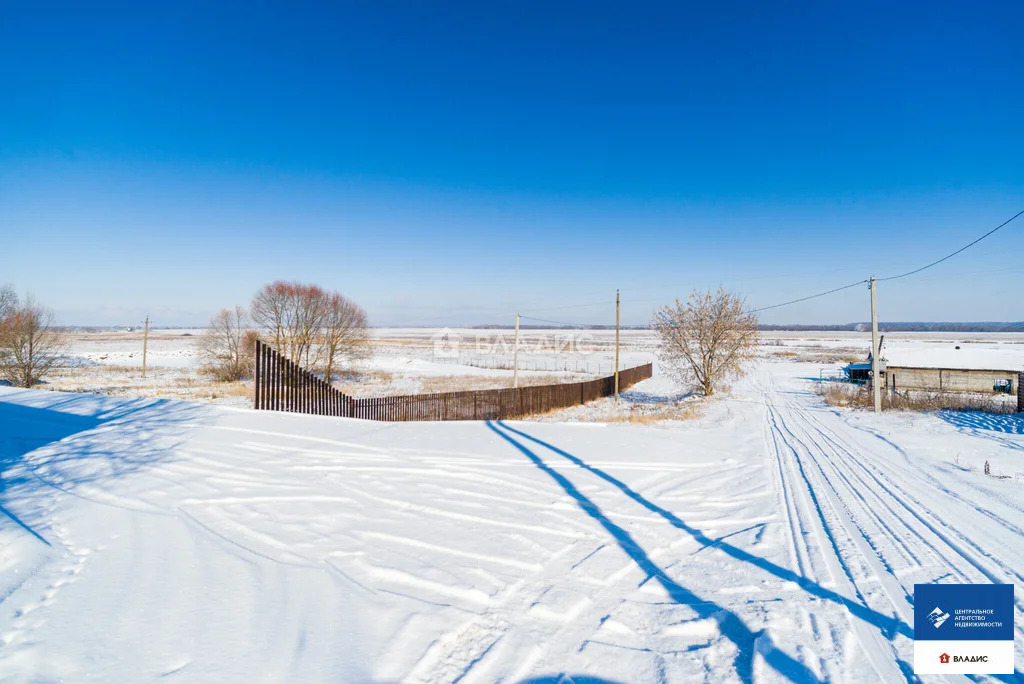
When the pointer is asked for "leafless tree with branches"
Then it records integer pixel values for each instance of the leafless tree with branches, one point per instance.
(310, 325)
(345, 333)
(31, 345)
(222, 346)
(273, 309)
(8, 300)
(292, 313)
(706, 340)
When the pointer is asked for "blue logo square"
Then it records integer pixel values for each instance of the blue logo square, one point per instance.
(963, 612)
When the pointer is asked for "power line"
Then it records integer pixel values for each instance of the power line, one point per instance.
(571, 325)
(773, 306)
(813, 296)
(902, 275)
(969, 244)
(570, 306)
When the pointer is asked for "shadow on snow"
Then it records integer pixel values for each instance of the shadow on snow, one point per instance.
(1009, 423)
(731, 625)
(737, 631)
(53, 441)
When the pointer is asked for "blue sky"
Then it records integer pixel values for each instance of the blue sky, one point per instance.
(454, 163)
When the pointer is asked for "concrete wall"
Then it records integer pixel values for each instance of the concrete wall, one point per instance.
(946, 379)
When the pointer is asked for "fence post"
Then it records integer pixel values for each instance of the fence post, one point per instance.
(256, 378)
(264, 393)
(277, 381)
(1020, 392)
(292, 404)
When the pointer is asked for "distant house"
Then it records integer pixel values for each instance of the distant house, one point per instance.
(945, 368)
(951, 379)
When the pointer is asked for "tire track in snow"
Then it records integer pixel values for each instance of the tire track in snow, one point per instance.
(840, 505)
(878, 650)
(871, 479)
(890, 485)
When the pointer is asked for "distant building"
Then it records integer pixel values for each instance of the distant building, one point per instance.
(951, 379)
(944, 369)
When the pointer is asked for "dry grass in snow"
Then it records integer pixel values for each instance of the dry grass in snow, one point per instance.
(854, 396)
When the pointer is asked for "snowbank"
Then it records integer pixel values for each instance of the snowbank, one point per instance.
(771, 539)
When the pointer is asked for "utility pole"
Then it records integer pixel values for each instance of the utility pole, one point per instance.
(145, 343)
(515, 357)
(616, 346)
(876, 388)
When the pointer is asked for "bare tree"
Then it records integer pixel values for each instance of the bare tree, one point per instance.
(249, 339)
(310, 325)
(292, 314)
(273, 309)
(708, 339)
(8, 301)
(311, 307)
(223, 346)
(31, 345)
(345, 333)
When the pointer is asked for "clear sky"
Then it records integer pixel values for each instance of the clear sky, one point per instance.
(451, 163)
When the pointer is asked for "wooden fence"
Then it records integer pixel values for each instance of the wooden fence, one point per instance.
(282, 385)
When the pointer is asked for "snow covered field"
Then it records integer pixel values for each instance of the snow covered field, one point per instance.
(770, 539)
(414, 360)
(404, 361)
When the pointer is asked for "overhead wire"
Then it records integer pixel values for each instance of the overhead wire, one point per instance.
(773, 306)
(813, 296)
(566, 323)
(953, 254)
(901, 275)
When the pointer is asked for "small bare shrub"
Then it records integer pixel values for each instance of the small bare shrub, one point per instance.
(223, 346)
(248, 351)
(31, 345)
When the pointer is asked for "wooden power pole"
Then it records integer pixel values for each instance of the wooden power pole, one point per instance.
(515, 357)
(876, 386)
(616, 346)
(145, 343)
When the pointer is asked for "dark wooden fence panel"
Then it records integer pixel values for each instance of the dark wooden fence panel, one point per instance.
(282, 385)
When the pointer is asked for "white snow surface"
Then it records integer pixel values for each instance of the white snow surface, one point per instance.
(967, 356)
(774, 539)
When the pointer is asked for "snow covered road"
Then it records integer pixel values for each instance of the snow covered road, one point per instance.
(773, 540)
